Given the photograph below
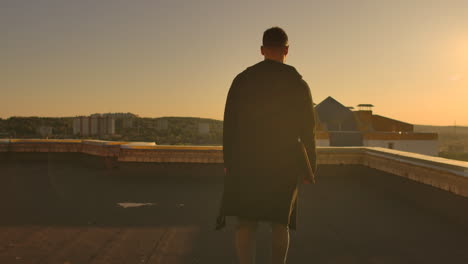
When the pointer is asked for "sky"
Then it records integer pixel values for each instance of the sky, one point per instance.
(160, 58)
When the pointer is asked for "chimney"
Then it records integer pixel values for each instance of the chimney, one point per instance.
(364, 116)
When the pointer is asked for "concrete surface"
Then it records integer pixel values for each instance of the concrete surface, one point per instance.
(63, 208)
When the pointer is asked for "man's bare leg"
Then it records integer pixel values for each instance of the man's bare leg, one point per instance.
(245, 240)
(279, 243)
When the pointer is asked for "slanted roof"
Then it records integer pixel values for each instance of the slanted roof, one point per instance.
(330, 109)
(335, 115)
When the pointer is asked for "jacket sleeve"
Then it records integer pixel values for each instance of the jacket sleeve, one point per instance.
(230, 122)
(307, 127)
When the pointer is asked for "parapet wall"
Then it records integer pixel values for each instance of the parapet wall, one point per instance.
(449, 175)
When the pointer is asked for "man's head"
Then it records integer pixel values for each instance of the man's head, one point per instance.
(275, 44)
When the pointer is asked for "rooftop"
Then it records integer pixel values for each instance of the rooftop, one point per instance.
(80, 201)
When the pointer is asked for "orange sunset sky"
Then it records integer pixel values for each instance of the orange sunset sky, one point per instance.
(178, 58)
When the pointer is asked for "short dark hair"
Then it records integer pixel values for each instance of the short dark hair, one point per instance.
(275, 37)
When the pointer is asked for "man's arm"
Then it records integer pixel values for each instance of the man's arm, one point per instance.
(230, 123)
(307, 119)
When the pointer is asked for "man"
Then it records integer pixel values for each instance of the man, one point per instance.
(268, 108)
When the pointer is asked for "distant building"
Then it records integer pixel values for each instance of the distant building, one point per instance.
(45, 131)
(106, 125)
(128, 119)
(162, 124)
(345, 127)
(127, 122)
(93, 125)
(81, 126)
(203, 128)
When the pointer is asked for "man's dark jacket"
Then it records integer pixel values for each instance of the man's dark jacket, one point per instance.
(268, 107)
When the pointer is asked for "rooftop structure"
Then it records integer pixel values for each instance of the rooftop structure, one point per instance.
(365, 107)
(90, 201)
(363, 128)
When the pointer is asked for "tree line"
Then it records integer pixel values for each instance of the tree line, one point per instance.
(162, 131)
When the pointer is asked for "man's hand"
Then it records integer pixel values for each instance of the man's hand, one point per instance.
(309, 180)
(225, 170)
(306, 181)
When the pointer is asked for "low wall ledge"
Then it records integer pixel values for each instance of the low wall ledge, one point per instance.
(453, 166)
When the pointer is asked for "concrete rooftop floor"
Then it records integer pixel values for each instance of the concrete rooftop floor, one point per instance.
(65, 210)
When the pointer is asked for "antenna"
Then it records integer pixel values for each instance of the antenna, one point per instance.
(455, 127)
